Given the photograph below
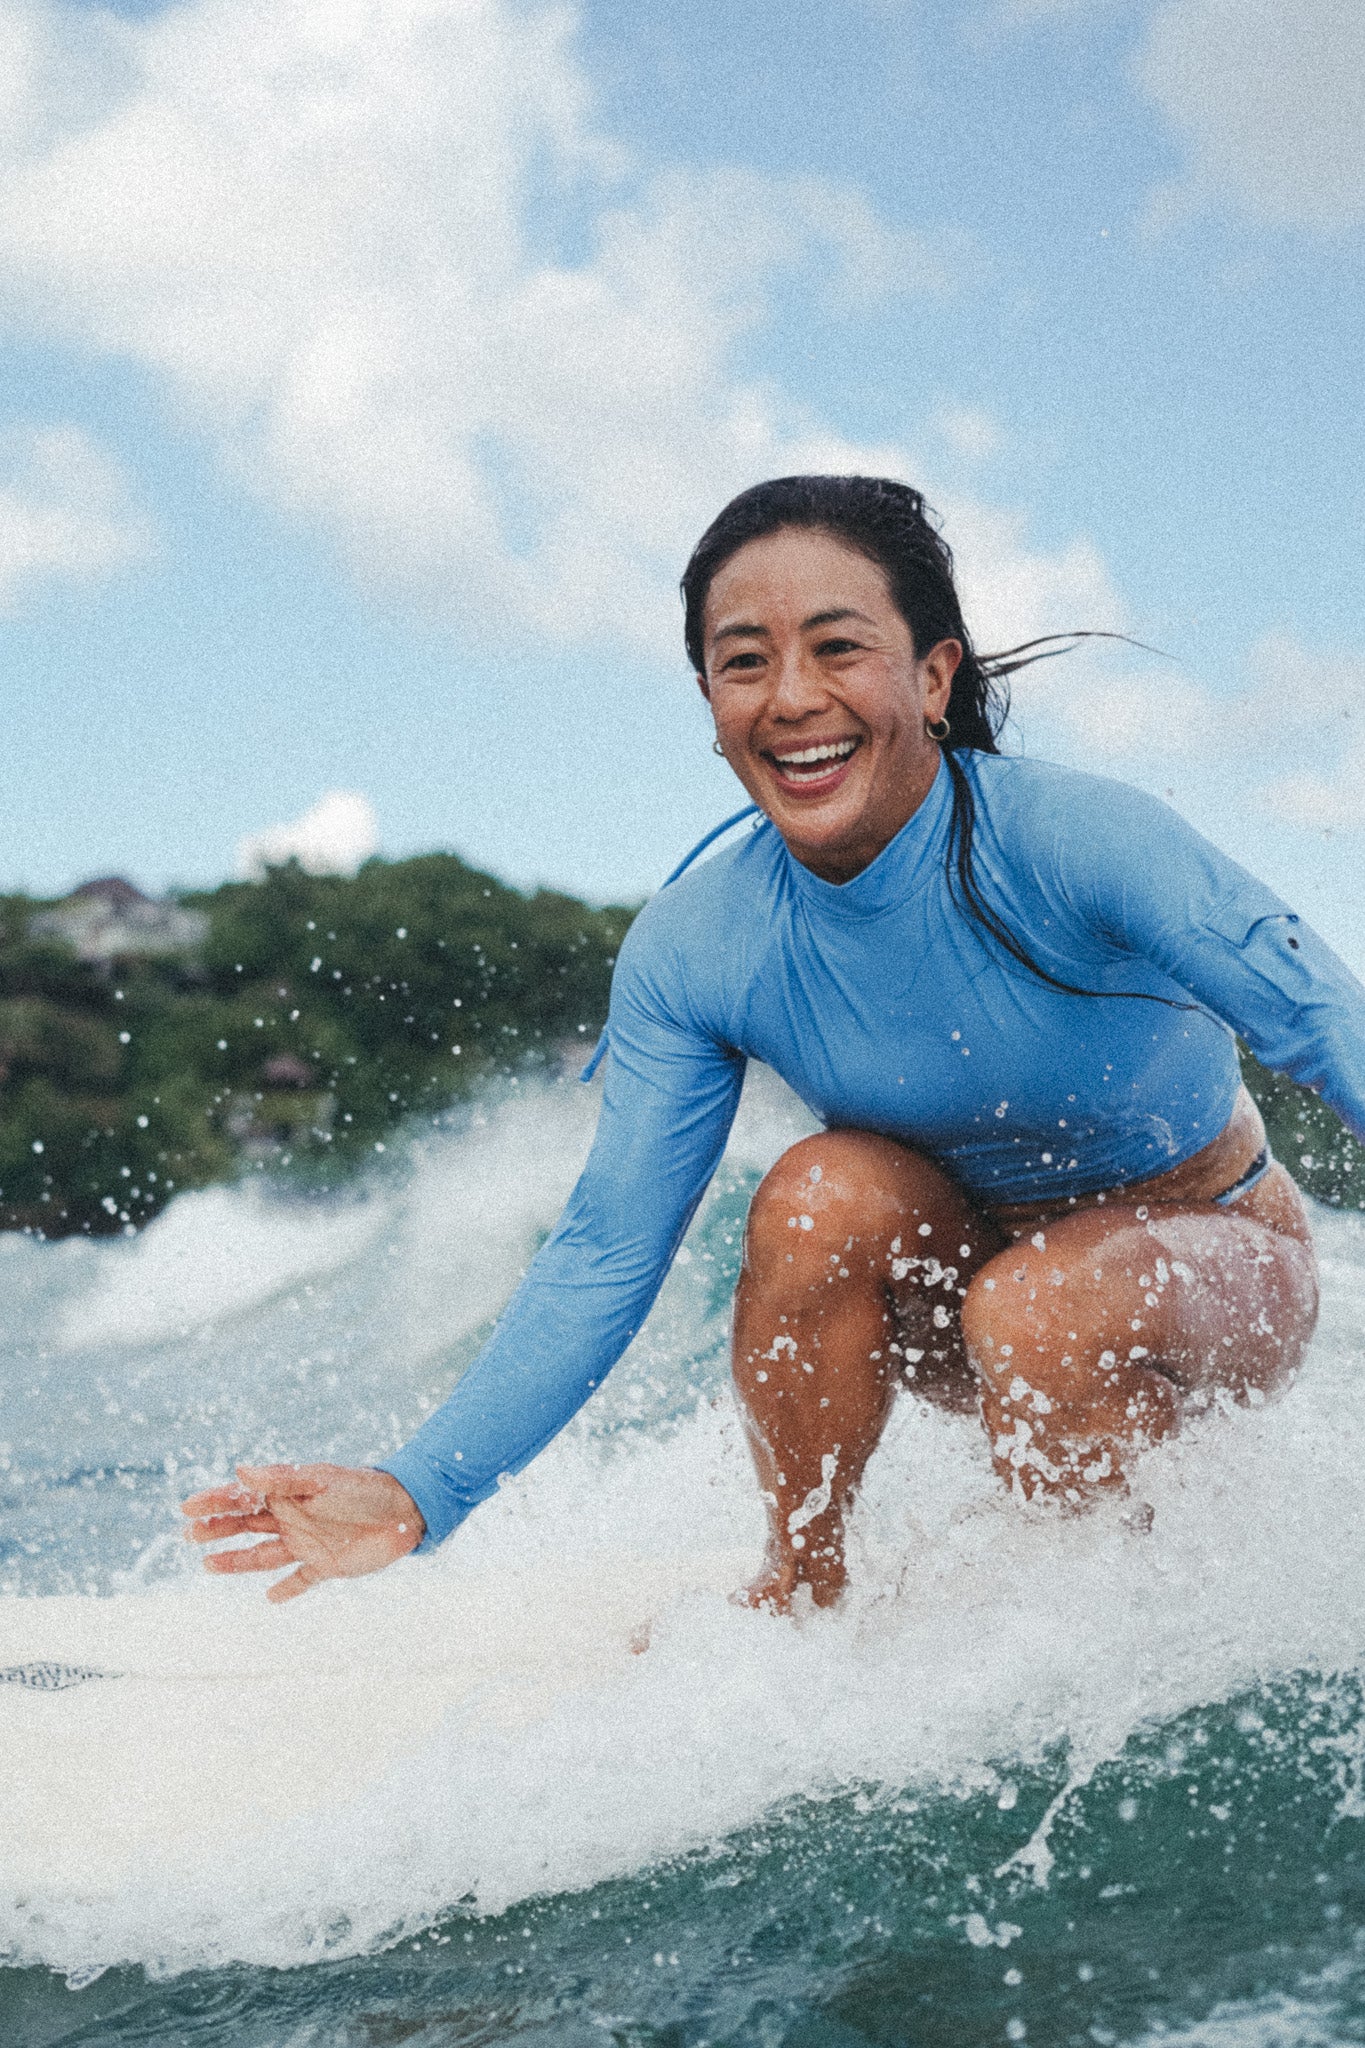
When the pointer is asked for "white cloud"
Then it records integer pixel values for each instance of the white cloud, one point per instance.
(969, 430)
(1293, 738)
(314, 220)
(1049, 10)
(1307, 714)
(1322, 803)
(1302, 699)
(64, 512)
(1269, 96)
(333, 838)
(1110, 716)
(1010, 591)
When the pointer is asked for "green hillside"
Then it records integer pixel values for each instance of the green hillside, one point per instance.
(316, 1014)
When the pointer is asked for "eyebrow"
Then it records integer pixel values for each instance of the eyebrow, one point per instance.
(827, 618)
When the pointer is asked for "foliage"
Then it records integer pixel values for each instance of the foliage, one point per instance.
(390, 993)
(1308, 1137)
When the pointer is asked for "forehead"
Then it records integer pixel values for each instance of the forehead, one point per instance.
(796, 571)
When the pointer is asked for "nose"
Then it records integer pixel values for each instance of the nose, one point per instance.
(799, 687)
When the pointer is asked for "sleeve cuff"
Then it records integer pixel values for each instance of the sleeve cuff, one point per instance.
(441, 1510)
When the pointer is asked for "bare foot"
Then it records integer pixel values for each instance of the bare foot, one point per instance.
(777, 1583)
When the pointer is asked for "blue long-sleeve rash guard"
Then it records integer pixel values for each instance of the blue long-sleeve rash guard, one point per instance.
(887, 1008)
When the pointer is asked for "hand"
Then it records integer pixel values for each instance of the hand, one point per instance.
(331, 1521)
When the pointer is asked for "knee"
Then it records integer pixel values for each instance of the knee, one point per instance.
(828, 1194)
(1015, 1314)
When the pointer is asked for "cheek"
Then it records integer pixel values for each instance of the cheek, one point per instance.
(889, 712)
(732, 712)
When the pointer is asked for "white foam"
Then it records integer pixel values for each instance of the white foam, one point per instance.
(1275, 2022)
(979, 1634)
(451, 1227)
(212, 1255)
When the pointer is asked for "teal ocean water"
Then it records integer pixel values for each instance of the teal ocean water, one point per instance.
(1037, 1781)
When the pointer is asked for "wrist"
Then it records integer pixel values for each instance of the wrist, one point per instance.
(403, 1511)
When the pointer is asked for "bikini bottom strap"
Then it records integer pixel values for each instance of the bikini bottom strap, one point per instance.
(1257, 1171)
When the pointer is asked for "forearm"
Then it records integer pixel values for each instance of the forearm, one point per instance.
(669, 1098)
(561, 1334)
(584, 1298)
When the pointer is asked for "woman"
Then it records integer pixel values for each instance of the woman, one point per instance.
(1008, 991)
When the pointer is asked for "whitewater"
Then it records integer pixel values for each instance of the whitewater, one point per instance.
(950, 1793)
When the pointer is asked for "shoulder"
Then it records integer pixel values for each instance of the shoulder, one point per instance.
(1068, 822)
(1105, 845)
(1054, 802)
(732, 884)
(695, 931)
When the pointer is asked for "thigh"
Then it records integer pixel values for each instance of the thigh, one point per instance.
(1209, 1298)
(849, 1215)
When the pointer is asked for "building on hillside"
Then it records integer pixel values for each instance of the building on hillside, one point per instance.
(108, 920)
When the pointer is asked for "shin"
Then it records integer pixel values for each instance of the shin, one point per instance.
(845, 1239)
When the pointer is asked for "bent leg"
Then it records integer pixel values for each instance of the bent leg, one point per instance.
(1094, 1337)
(857, 1254)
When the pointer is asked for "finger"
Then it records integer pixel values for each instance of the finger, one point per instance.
(219, 1500)
(293, 1482)
(290, 1588)
(255, 1557)
(213, 1528)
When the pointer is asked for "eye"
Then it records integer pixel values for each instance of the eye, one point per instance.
(837, 646)
(749, 659)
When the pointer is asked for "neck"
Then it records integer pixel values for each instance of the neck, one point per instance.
(841, 862)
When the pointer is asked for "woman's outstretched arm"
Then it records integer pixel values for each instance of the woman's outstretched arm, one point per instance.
(669, 1100)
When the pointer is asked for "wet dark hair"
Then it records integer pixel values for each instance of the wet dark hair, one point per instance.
(891, 524)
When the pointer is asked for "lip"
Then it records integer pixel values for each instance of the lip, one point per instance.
(809, 787)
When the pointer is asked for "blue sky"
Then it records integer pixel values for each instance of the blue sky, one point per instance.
(366, 371)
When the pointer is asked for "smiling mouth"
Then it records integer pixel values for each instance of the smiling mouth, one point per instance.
(816, 763)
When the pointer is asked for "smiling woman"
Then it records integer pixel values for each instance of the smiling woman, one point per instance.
(1009, 993)
(824, 715)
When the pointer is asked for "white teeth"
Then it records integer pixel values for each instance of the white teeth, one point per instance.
(808, 755)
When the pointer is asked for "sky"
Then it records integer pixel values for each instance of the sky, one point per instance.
(369, 367)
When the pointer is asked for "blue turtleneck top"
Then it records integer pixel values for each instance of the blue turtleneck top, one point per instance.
(887, 1008)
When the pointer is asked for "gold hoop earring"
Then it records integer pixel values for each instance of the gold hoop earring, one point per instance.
(938, 731)
(717, 748)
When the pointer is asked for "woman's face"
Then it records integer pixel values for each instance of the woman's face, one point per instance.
(818, 696)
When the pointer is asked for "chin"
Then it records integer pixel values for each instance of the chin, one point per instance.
(836, 843)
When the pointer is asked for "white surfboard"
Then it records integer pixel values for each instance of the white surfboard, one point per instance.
(134, 1730)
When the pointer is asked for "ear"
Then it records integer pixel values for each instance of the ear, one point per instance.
(939, 666)
(704, 687)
